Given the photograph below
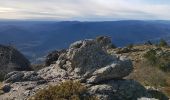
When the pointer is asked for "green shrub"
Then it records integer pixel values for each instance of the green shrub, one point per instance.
(130, 46)
(69, 90)
(163, 43)
(113, 46)
(162, 61)
(151, 56)
(164, 66)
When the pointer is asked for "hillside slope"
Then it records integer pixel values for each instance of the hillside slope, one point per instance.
(148, 74)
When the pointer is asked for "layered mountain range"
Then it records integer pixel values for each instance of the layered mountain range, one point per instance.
(36, 38)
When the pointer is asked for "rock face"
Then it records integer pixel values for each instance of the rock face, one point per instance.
(88, 62)
(21, 76)
(87, 59)
(12, 60)
(119, 90)
(53, 56)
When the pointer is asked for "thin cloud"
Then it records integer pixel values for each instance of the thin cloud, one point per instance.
(90, 10)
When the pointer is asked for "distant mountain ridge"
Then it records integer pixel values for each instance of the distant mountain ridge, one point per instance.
(40, 37)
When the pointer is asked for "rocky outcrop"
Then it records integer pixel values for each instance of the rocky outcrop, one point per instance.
(119, 90)
(87, 59)
(21, 76)
(104, 42)
(88, 62)
(53, 56)
(12, 60)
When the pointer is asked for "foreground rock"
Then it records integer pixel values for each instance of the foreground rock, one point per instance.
(21, 76)
(119, 90)
(88, 62)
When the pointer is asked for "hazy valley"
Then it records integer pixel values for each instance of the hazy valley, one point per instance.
(36, 38)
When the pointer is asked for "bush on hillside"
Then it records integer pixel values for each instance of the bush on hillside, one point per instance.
(162, 43)
(162, 60)
(113, 46)
(130, 46)
(151, 56)
(165, 66)
(69, 90)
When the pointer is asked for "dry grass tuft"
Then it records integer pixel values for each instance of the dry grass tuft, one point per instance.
(69, 90)
(149, 75)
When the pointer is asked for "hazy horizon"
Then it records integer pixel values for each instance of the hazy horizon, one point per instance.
(46, 20)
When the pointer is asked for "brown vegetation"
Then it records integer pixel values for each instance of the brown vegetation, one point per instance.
(151, 65)
(68, 90)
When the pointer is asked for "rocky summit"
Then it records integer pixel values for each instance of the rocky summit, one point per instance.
(86, 61)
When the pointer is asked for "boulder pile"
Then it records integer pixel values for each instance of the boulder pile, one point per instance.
(88, 62)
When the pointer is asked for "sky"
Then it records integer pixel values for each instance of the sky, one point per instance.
(85, 10)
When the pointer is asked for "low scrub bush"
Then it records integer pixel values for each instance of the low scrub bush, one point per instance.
(165, 66)
(69, 90)
(130, 46)
(151, 56)
(113, 46)
(162, 60)
(162, 43)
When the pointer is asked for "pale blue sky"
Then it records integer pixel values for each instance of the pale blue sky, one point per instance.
(85, 10)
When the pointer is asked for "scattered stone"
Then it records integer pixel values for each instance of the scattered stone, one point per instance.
(6, 88)
(144, 98)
